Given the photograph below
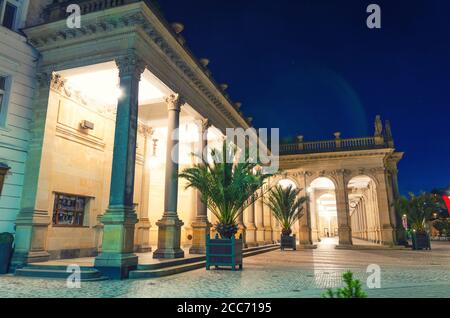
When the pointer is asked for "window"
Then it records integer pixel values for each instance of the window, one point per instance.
(69, 210)
(10, 16)
(9, 13)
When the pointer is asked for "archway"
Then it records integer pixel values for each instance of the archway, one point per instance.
(364, 211)
(323, 209)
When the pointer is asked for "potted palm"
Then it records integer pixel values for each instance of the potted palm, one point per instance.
(287, 207)
(228, 185)
(418, 210)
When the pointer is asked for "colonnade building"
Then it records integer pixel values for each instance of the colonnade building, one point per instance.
(97, 153)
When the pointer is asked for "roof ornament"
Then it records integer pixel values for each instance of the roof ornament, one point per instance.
(378, 126)
(177, 27)
(204, 62)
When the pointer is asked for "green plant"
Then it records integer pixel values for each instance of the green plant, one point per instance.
(353, 288)
(442, 226)
(228, 185)
(418, 209)
(286, 206)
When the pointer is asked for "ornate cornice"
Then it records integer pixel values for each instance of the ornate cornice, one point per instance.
(111, 23)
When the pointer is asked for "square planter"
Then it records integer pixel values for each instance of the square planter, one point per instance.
(289, 242)
(224, 252)
(421, 241)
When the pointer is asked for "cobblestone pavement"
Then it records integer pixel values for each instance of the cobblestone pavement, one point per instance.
(302, 273)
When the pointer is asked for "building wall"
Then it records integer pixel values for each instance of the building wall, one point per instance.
(17, 62)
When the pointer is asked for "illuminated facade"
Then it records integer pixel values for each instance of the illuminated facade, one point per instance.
(98, 180)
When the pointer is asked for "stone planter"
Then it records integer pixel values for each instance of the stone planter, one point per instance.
(224, 252)
(6, 247)
(420, 241)
(289, 242)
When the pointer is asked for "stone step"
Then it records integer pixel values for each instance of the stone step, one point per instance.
(58, 272)
(185, 267)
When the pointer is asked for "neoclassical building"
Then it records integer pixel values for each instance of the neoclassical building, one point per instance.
(120, 105)
(352, 185)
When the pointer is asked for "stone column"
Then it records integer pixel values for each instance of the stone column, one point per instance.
(33, 218)
(117, 258)
(242, 228)
(343, 213)
(268, 226)
(144, 225)
(251, 226)
(386, 222)
(277, 230)
(400, 233)
(201, 226)
(305, 230)
(169, 227)
(259, 205)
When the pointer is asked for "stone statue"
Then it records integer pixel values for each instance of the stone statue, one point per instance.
(378, 126)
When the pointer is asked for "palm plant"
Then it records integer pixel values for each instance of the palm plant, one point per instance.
(352, 289)
(418, 209)
(286, 206)
(228, 185)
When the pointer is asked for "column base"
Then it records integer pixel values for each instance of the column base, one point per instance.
(20, 259)
(260, 237)
(142, 244)
(169, 237)
(116, 265)
(345, 236)
(199, 231)
(250, 236)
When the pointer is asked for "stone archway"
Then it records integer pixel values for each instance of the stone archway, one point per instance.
(364, 209)
(323, 210)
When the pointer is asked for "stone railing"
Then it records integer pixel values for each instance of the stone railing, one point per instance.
(57, 11)
(332, 145)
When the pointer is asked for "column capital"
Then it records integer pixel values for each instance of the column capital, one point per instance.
(204, 124)
(174, 102)
(130, 65)
(145, 130)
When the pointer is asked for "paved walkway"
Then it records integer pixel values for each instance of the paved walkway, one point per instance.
(302, 273)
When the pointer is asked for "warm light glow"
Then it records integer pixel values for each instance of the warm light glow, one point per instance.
(322, 183)
(285, 183)
(103, 86)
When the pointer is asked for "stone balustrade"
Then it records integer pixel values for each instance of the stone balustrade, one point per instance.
(57, 11)
(331, 145)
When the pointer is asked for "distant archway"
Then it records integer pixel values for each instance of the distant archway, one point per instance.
(322, 202)
(363, 207)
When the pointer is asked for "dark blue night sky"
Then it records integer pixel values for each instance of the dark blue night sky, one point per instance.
(313, 68)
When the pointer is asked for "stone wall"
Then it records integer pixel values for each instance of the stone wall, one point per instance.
(17, 63)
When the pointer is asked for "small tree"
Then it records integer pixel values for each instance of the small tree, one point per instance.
(352, 289)
(418, 209)
(228, 185)
(286, 206)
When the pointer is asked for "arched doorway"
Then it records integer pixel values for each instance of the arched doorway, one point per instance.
(364, 211)
(322, 201)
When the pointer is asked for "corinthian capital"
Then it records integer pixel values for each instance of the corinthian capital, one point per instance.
(130, 65)
(205, 124)
(174, 102)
